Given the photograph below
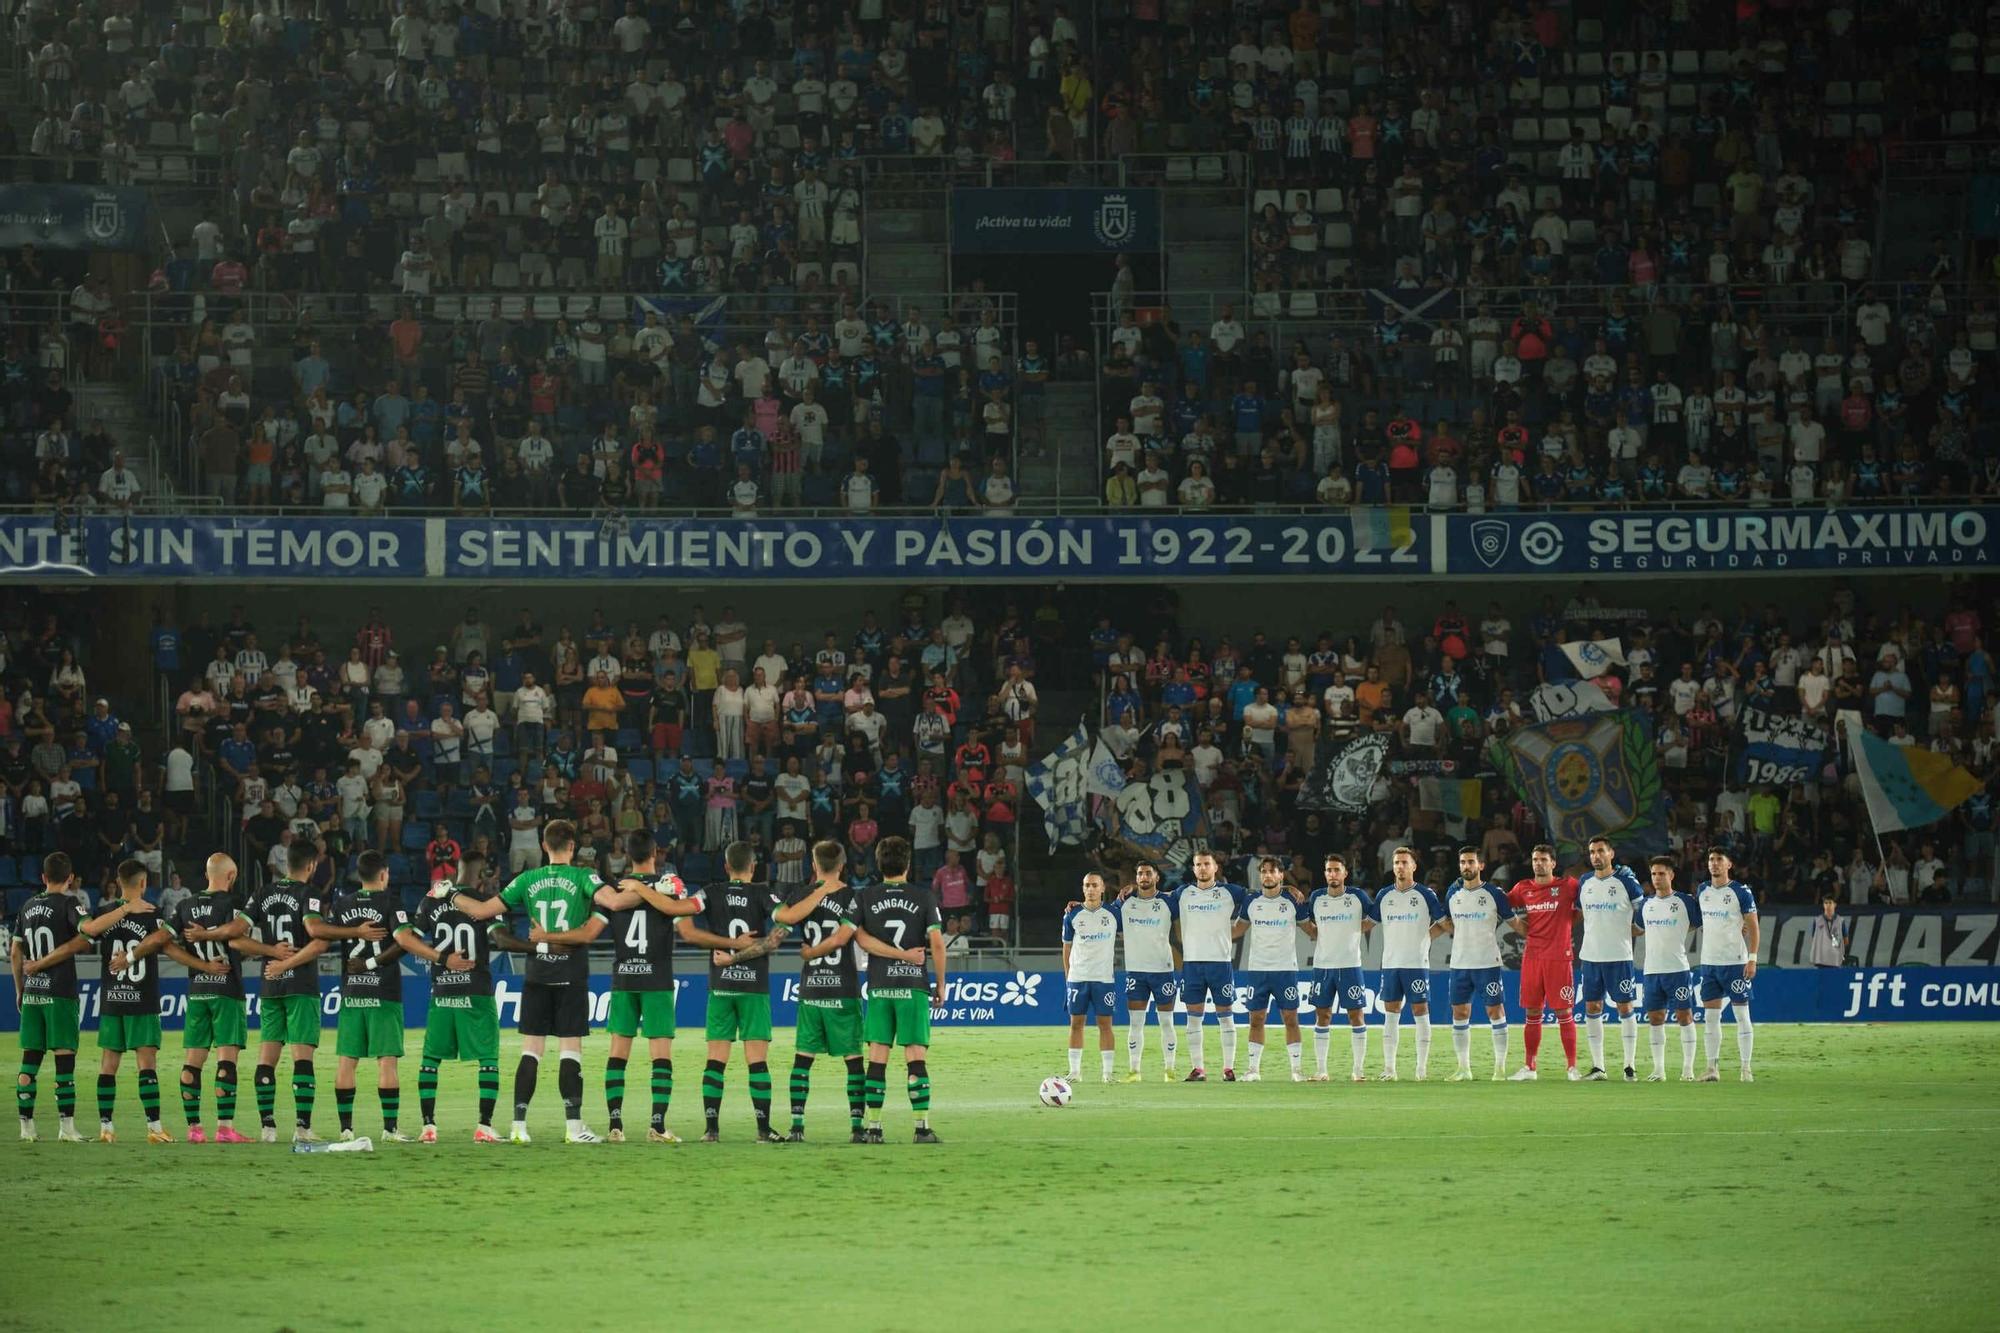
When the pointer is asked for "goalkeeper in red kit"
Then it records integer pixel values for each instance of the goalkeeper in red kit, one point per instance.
(1545, 910)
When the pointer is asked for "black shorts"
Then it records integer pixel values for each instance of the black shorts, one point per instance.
(555, 1011)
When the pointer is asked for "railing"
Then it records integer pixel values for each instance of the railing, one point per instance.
(1930, 158)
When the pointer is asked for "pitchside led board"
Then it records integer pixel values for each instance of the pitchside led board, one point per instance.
(1054, 221)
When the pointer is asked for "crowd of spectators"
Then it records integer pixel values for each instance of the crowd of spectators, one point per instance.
(1251, 720)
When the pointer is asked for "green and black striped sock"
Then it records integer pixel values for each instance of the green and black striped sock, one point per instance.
(191, 1095)
(614, 1091)
(920, 1092)
(856, 1081)
(343, 1105)
(107, 1096)
(663, 1092)
(225, 1091)
(427, 1091)
(392, 1107)
(149, 1095)
(305, 1089)
(801, 1088)
(874, 1090)
(760, 1094)
(489, 1090)
(711, 1093)
(66, 1085)
(264, 1082)
(24, 1086)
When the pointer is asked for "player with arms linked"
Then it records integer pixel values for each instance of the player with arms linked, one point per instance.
(900, 929)
(829, 986)
(1608, 899)
(1271, 966)
(288, 1006)
(1545, 911)
(204, 925)
(370, 1026)
(1729, 931)
(1411, 917)
(1089, 947)
(1478, 912)
(1147, 917)
(1665, 919)
(1337, 920)
(1210, 914)
(463, 1019)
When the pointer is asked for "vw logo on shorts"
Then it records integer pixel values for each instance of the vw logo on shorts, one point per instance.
(1739, 987)
(1683, 992)
(1568, 993)
(1625, 987)
(1354, 996)
(1493, 988)
(1420, 987)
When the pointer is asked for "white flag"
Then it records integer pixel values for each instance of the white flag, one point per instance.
(1103, 776)
(1594, 657)
(1568, 699)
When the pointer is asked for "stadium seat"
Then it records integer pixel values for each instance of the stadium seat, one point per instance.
(627, 741)
(641, 771)
(416, 836)
(426, 805)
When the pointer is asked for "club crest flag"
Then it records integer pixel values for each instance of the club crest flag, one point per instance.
(1589, 777)
(1594, 657)
(1343, 779)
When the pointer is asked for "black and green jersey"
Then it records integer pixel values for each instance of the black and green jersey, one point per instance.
(210, 911)
(44, 924)
(735, 909)
(642, 949)
(556, 898)
(451, 931)
(138, 991)
(833, 976)
(279, 915)
(357, 980)
(902, 916)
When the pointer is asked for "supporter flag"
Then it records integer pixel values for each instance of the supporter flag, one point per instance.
(1589, 777)
(1593, 657)
(1906, 787)
(1161, 818)
(1381, 527)
(1778, 748)
(1058, 784)
(1343, 778)
(1450, 797)
(1103, 775)
(1573, 698)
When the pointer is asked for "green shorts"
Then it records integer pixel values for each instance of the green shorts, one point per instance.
(739, 1015)
(648, 1013)
(48, 1023)
(829, 1027)
(128, 1032)
(898, 1018)
(291, 1019)
(368, 1029)
(462, 1027)
(215, 1020)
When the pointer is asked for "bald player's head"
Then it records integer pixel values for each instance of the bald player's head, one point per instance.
(221, 871)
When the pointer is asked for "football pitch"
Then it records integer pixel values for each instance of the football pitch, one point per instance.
(1856, 1184)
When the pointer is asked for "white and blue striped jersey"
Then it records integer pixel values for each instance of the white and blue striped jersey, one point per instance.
(1092, 936)
(1271, 943)
(1337, 918)
(1606, 903)
(1723, 909)
(1149, 933)
(1476, 913)
(1208, 918)
(1667, 921)
(1407, 916)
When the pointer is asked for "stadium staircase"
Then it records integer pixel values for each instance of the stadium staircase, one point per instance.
(1205, 246)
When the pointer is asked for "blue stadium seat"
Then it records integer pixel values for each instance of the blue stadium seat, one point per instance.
(459, 804)
(8, 873)
(502, 770)
(416, 836)
(736, 768)
(628, 741)
(425, 805)
(503, 742)
(641, 771)
(401, 869)
(17, 899)
(705, 767)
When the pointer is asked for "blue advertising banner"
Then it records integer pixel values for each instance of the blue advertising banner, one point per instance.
(1746, 540)
(1024, 999)
(73, 217)
(1014, 221)
(1018, 548)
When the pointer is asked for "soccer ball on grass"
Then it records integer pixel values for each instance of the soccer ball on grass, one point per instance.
(1056, 1092)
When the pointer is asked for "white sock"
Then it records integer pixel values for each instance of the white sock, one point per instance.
(1229, 1041)
(1294, 1051)
(1392, 1039)
(1170, 1035)
(1423, 1042)
(520, 1126)
(1256, 1057)
(1746, 1035)
(1593, 1033)
(153, 1126)
(1135, 1039)
(573, 1126)
(1322, 1040)
(1358, 1036)
(1461, 1043)
(1628, 1033)
(1657, 1035)
(1712, 1033)
(1075, 1061)
(1688, 1040)
(1197, 1042)
(1104, 1059)
(1500, 1042)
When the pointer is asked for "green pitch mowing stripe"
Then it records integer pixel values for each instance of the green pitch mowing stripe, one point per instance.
(1856, 1184)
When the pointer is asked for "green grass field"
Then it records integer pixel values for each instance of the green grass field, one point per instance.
(1856, 1184)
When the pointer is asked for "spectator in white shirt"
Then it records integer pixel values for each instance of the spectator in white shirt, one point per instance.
(857, 491)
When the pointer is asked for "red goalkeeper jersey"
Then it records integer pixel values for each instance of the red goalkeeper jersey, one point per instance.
(1550, 911)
